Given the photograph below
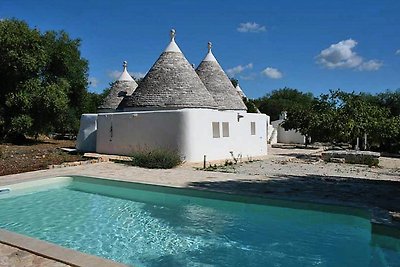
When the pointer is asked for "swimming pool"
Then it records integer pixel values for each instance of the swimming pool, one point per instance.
(144, 225)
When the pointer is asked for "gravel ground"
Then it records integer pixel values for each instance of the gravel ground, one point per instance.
(300, 174)
(307, 163)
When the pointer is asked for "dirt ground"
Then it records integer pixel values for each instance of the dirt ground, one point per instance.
(300, 174)
(34, 155)
(307, 162)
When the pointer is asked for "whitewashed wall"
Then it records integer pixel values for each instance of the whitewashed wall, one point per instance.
(188, 131)
(272, 134)
(287, 137)
(125, 132)
(86, 140)
(200, 141)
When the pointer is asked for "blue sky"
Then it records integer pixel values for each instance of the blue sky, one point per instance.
(309, 45)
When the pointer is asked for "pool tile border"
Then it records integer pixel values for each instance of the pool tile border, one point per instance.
(54, 252)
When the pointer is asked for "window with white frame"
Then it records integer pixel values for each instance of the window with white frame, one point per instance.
(225, 129)
(215, 130)
(253, 128)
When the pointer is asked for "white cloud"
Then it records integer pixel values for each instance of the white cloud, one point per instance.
(249, 77)
(251, 27)
(398, 52)
(341, 55)
(272, 73)
(137, 75)
(238, 69)
(371, 65)
(114, 74)
(93, 82)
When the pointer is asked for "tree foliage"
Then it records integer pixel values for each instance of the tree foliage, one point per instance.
(390, 100)
(338, 116)
(43, 81)
(283, 99)
(250, 105)
(234, 82)
(343, 117)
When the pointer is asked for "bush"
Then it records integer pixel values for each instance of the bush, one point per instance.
(156, 159)
(353, 157)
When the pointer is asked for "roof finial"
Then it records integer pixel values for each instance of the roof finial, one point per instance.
(125, 76)
(172, 46)
(209, 56)
(172, 34)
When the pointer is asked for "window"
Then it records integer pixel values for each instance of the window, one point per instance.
(225, 129)
(253, 128)
(215, 129)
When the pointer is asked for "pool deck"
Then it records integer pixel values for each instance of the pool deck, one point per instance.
(379, 195)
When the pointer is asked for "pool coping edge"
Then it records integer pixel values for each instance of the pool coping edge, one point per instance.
(54, 252)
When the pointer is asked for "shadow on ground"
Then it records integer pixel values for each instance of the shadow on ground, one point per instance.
(321, 189)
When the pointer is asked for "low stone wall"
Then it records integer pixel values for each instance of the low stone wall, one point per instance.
(352, 156)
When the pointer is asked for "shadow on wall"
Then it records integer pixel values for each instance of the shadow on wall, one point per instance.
(89, 144)
(321, 189)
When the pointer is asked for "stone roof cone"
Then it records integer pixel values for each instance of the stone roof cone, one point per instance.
(171, 83)
(218, 83)
(124, 85)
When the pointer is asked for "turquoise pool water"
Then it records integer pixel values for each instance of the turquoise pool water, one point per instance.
(154, 228)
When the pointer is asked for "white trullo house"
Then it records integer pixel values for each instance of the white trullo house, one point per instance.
(194, 112)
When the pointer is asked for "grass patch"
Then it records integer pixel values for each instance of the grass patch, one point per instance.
(228, 167)
(156, 159)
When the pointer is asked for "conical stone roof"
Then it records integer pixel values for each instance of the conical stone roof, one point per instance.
(123, 86)
(171, 83)
(218, 84)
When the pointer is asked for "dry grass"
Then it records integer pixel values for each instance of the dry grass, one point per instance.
(34, 155)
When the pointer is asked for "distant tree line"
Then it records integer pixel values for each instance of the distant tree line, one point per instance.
(339, 116)
(43, 82)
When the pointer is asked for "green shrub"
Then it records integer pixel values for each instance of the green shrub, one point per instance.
(156, 159)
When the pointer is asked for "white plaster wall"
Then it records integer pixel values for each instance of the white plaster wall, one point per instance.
(188, 131)
(290, 137)
(124, 132)
(287, 137)
(272, 134)
(276, 123)
(200, 141)
(86, 140)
